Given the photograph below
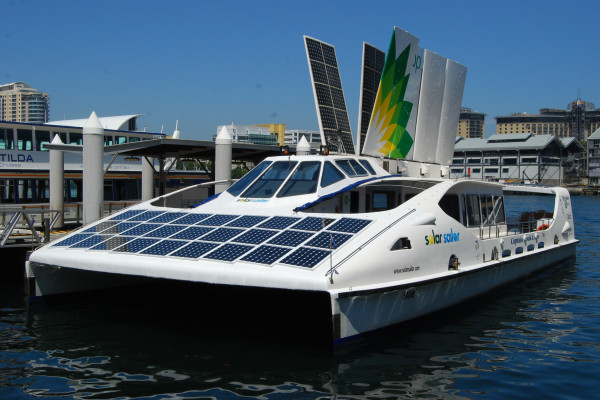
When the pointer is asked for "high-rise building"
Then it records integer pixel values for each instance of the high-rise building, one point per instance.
(579, 120)
(19, 102)
(471, 124)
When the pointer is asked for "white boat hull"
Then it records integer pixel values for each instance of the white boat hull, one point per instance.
(360, 312)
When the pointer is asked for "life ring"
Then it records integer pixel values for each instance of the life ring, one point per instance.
(542, 227)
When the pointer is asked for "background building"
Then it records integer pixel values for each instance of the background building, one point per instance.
(579, 120)
(594, 158)
(19, 102)
(471, 124)
(256, 134)
(523, 157)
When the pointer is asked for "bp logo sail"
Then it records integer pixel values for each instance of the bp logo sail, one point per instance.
(392, 127)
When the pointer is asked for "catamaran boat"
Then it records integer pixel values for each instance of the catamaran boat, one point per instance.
(379, 240)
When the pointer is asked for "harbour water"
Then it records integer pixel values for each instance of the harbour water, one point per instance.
(535, 339)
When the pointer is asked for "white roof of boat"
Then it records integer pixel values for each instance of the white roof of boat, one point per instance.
(117, 122)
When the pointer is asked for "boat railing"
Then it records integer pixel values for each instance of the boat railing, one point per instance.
(512, 228)
(38, 212)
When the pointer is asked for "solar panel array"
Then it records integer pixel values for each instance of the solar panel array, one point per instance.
(372, 67)
(296, 241)
(329, 95)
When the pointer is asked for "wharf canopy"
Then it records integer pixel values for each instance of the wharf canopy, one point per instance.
(519, 157)
(117, 122)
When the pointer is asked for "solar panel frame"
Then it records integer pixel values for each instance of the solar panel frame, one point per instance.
(266, 254)
(89, 242)
(136, 245)
(306, 257)
(113, 243)
(291, 238)
(141, 229)
(247, 221)
(194, 250)
(71, 240)
(191, 219)
(146, 216)
(221, 234)
(349, 225)
(168, 217)
(312, 224)
(228, 252)
(255, 236)
(324, 240)
(163, 247)
(192, 232)
(164, 231)
(218, 220)
(278, 222)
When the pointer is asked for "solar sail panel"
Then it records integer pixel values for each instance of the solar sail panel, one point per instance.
(329, 96)
(372, 67)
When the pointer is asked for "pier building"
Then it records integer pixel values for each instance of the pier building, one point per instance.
(593, 146)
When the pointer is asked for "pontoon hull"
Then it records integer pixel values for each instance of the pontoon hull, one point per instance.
(360, 312)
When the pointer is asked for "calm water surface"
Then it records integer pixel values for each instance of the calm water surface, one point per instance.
(538, 339)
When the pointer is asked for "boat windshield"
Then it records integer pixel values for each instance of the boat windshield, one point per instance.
(269, 182)
(247, 179)
(331, 175)
(303, 180)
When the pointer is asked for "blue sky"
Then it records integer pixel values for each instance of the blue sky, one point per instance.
(208, 63)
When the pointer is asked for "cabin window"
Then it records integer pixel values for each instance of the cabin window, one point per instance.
(74, 189)
(24, 139)
(41, 138)
(383, 201)
(492, 208)
(368, 167)
(247, 179)
(519, 250)
(506, 253)
(120, 139)
(134, 139)
(303, 180)
(108, 140)
(351, 168)
(530, 247)
(7, 191)
(266, 186)
(450, 205)
(331, 174)
(540, 245)
(75, 138)
(7, 140)
(472, 207)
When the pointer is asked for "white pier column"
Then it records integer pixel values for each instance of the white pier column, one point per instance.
(222, 164)
(147, 178)
(57, 183)
(93, 169)
(303, 148)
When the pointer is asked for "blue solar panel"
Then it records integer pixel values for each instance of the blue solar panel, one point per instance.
(229, 252)
(113, 243)
(306, 257)
(191, 219)
(278, 222)
(148, 215)
(127, 214)
(222, 234)
(193, 232)
(326, 239)
(73, 239)
(350, 225)
(247, 221)
(218, 220)
(255, 236)
(89, 242)
(168, 217)
(141, 229)
(291, 238)
(136, 245)
(266, 254)
(164, 247)
(164, 231)
(101, 227)
(194, 249)
(312, 224)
